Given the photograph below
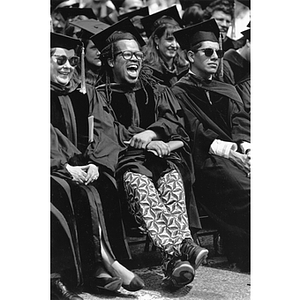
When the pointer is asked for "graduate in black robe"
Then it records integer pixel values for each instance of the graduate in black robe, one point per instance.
(236, 69)
(154, 169)
(162, 53)
(219, 130)
(83, 162)
(223, 12)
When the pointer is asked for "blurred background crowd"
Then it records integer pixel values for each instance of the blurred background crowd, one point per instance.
(191, 11)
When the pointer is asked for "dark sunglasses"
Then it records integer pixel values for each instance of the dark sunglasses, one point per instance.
(209, 52)
(129, 54)
(62, 59)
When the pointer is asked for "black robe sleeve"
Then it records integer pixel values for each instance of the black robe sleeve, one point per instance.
(62, 150)
(104, 149)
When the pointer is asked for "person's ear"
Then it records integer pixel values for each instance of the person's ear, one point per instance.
(191, 56)
(110, 62)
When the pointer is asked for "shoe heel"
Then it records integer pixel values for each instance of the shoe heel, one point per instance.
(201, 258)
(182, 274)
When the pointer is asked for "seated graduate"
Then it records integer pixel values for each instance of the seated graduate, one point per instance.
(149, 172)
(82, 170)
(222, 11)
(237, 67)
(91, 64)
(219, 129)
(162, 52)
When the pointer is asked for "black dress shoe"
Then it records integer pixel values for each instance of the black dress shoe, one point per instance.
(135, 284)
(61, 292)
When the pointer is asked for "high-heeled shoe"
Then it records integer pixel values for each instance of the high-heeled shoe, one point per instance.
(135, 284)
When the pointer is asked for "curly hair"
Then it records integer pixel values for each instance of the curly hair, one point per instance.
(226, 6)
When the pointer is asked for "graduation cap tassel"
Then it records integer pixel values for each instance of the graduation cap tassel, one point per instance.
(233, 21)
(221, 59)
(83, 87)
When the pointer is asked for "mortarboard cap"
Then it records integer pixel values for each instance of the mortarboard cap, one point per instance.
(152, 21)
(246, 33)
(191, 36)
(135, 17)
(101, 39)
(64, 41)
(246, 2)
(118, 3)
(57, 4)
(89, 27)
(143, 12)
(72, 12)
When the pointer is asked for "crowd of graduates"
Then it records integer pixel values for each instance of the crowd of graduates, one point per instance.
(150, 123)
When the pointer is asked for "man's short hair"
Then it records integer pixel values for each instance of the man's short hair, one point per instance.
(226, 6)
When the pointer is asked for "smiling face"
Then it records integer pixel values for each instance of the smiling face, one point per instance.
(61, 74)
(126, 71)
(167, 46)
(92, 54)
(202, 65)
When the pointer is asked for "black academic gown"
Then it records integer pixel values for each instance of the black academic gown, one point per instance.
(165, 76)
(229, 43)
(151, 107)
(236, 71)
(222, 189)
(65, 255)
(96, 204)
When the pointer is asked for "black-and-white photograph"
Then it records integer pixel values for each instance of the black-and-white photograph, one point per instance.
(159, 141)
(150, 149)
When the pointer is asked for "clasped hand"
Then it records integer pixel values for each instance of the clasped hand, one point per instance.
(83, 174)
(242, 161)
(142, 139)
(159, 148)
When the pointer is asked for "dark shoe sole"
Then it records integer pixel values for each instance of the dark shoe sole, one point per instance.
(181, 276)
(112, 286)
(101, 286)
(136, 284)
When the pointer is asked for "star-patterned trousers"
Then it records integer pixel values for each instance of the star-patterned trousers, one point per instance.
(160, 209)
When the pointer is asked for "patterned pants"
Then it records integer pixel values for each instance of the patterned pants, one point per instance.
(161, 211)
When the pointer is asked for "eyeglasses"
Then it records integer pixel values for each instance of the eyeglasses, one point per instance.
(209, 52)
(128, 54)
(62, 59)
